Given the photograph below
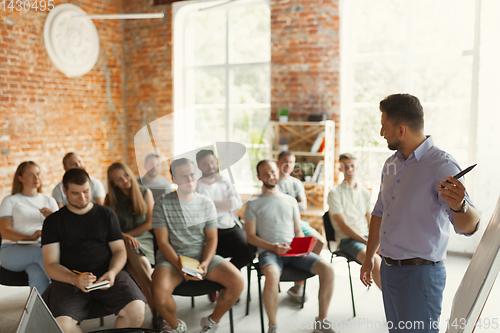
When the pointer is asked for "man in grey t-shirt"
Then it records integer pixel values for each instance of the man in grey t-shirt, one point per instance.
(271, 221)
(294, 187)
(185, 223)
(152, 179)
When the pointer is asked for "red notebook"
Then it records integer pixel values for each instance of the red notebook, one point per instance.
(300, 246)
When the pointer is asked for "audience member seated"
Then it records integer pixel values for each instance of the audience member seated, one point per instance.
(272, 220)
(133, 204)
(185, 223)
(70, 161)
(152, 179)
(350, 208)
(294, 187)
(231, 236)
(82, 244)
(21, 218)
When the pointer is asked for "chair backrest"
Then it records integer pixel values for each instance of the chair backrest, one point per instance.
(329, 231)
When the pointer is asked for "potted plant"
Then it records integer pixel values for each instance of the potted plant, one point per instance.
(283, 115)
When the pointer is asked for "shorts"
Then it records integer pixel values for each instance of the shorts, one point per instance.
(306, 263)
(216, 260)
(308, 230)
(64, 299)
(351, 247)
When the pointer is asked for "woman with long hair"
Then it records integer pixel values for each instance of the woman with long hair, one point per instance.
(133, 204)
(21, 218)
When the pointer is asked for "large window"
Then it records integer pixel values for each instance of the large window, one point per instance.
(425, 48)
(222, 75)
(430, 49)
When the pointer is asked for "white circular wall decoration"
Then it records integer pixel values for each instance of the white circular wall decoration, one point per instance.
(71, 42)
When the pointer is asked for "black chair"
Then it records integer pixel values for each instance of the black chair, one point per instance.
(20, 279)
(11, 278)
(289, 274)
(200, 288)
(330, 237)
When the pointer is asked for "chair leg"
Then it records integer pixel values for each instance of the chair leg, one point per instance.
(231, 320)
(303, 295)
(261, 310)
(352, 293)
(101, 321)
(249, 277)
(192, 301)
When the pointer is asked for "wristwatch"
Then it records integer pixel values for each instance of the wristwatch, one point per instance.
(465, 206)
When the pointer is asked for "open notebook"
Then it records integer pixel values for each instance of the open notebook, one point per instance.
(36, 316)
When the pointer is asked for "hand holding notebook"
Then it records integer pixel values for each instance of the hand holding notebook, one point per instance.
(300, 246)
(190, 266)
(104, 284)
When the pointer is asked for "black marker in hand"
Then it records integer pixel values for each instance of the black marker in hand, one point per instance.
(461, 173)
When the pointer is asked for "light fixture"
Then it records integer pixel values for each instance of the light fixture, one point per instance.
(130, 16)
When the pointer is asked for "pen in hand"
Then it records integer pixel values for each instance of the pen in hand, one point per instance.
(461, 173)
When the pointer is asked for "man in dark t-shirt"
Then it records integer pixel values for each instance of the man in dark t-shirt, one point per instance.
(82, 245)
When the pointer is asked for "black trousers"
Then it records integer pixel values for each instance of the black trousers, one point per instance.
(233, 243)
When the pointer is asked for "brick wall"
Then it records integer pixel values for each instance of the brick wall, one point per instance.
(44, 114)
(305, 57)
(148, 88)
(305, 65)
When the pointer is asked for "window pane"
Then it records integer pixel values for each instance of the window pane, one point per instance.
(250, 125)
(379, 26)
(210, 86)
(250, 128)
(453, 19)
(376, 79)
(251, 85)
(206, 37)
(366, 127)
(443, 79)
(250, 34)
(455, 138)
(213, 119)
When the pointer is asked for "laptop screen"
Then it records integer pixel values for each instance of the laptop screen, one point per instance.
(36, 316)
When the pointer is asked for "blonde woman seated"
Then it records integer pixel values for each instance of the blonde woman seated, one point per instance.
(133, 204)
(21, 218)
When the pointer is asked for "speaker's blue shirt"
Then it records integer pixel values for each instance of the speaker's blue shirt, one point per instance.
(415, 218)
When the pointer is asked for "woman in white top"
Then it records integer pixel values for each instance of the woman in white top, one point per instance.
(21, 218)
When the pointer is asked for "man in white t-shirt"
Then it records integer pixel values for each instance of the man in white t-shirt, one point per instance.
(350, 208)
(232, 239)
(73, 160)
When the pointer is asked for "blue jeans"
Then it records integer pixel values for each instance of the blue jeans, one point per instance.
(28, 258)
(412, 296)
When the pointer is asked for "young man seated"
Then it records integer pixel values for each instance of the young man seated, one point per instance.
(272, 221)
(185, 223)
(292, 186)
(82, 244)
(349, 208)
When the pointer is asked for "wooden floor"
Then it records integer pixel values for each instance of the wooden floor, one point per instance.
(370, 314)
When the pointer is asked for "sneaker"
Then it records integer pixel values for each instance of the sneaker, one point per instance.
(272, 328)
(323, 326)
(181, 328)
(208, 326)
(295, 293)
(162, 325)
